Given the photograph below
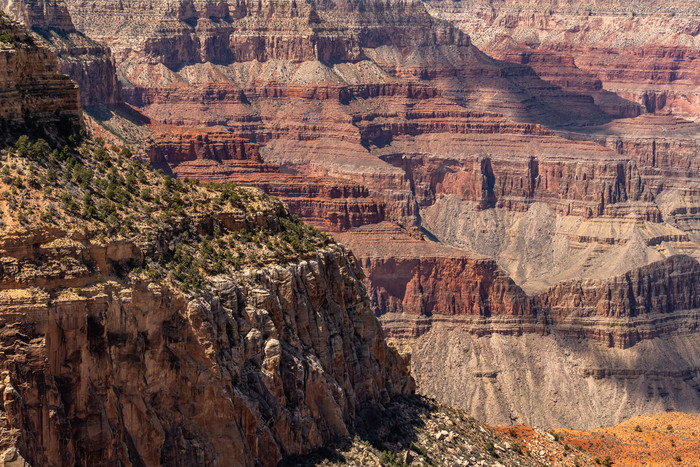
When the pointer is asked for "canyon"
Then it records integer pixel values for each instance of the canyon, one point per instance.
(125, 339)
(108, 354)
(521, 189)
(643, 52)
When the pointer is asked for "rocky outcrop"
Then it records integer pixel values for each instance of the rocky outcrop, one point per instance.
(82, 59)
(377, 120)
(146, 336)
(34, 98)
(138, 373)
(656, 300)
(649, 60)
(414, 283)
(187, 325)
(601, 186)
(338, 90)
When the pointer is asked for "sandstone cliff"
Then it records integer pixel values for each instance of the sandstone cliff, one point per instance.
(147, 321)
(82, 59)
(33, 97)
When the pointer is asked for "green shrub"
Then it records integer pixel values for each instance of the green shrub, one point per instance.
(8, 39)
(46, 216)
(491, 449)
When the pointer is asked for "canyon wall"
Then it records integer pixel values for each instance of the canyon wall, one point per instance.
(81, 58)
(469, 186)
(33, 97)
(643, 52)
(611, 349)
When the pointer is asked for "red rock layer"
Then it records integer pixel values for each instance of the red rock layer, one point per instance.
(218, 156)
(414, 284)
(571, 186)
(177, 144)
(82, 59)
(405, 85)
(429, 281)
(645, 52)
(386, 97)
(664, 148)
(31, 86)
(560, 68)
(652, 300)
(400, 37)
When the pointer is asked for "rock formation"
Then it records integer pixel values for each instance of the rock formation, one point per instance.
(644, 52)
(85, 61)
(33, 97)
(164, 323)
(468, 186)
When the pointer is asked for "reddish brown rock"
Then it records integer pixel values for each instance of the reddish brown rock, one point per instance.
(219, 156)
(139, 373)
(643, 52)
(31, 86)
(415, 284)
(82, 59)
(419, 281)
(173, 145)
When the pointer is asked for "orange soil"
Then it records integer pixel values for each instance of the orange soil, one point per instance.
(668, 439)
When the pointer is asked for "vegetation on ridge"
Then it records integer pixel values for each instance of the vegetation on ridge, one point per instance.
(185, 230)
(9, 37)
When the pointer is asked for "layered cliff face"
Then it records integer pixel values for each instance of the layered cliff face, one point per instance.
(645, 52)
(147, 321)
(155, 47)
(377, 95)
(33, 97)
(388, 125)
(82, 59)
(611, 348)
(112, 356)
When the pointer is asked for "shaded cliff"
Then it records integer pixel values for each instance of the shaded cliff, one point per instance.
(119, 356)
(34, 98)
(147, 321)
(86, 62)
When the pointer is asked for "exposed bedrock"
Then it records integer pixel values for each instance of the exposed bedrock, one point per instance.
(553, 381)
(85, 61)
(211, 155)
(344, 89)
(136, 372)
(191, 44)
(538, 247)
(414, 284)
(601, 186)
(644, 52)
(34, 98)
